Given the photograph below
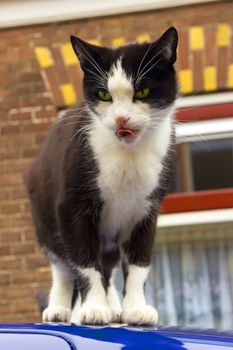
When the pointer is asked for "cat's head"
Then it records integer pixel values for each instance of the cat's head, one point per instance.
(132, 88)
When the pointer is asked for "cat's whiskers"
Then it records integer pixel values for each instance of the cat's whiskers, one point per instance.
(93, 62)
(155, 123)
(97, 78)
(148, 70)
(70, 123)
(79, 132)
(59, 121)
(145, 122)
(143, 58)
(202, 142)
(151, 60)
(142, 73)
(76, 108)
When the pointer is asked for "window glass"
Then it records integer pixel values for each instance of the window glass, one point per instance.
(212, 166)
(205, 165)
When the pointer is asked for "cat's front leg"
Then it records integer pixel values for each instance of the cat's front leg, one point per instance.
(59, 306)
(109, 262)
(138, 250)
(135, 309)
(94, 308)
(82, 248)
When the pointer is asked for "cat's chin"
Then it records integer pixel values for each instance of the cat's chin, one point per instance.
(129, 140)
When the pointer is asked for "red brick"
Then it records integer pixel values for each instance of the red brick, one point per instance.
(10, 129)
(198, 71)
(63, 74)
(4, 195)
(34, 127)
(10, 208)
(38, 87)
(10, 263)
(19, 166)
(10, 179)
(30, 235)
(222, 67)
(4, 280)
(183, 51)
(40, 138)
(31, 77)
(46, 115)
(5, 309)
(211, 50)
(35, 261)
(18, 194)
(35, 101)
(24, 306)
(4, 250)
(20, 116)
(22, 249)
(8, 155)
(23, 221)
(52, 77)
(25, 277)
(14, 292)
(13, 236)
(30, 153)
(4, 143)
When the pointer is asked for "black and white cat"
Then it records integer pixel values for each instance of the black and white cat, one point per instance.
(97, 185)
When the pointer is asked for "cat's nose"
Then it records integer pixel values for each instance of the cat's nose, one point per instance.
(121, 121)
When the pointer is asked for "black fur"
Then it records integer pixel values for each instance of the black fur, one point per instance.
(161, 79)
(66, 201)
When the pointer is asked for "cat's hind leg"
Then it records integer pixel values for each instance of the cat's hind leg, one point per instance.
(60, 297)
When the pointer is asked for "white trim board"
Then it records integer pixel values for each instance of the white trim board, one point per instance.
(27, 12)
(204, 130)
(204, 100)
(195, 218)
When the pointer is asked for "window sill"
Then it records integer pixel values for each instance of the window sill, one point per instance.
(199, 200)
(195, 218)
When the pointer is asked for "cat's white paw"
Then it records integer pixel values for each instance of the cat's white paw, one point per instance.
(56, 314)
(142, 315)
(115, 304)
(92, 315)
(116, 315)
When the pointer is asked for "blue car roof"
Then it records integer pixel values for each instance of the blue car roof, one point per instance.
(66, 337)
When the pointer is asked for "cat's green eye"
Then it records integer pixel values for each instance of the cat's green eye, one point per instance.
(104, 96)
(141, 94)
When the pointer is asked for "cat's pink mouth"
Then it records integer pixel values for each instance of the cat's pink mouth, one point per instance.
(124, 132)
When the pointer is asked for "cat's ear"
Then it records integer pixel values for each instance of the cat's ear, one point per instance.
(87, 53)
(168, 44)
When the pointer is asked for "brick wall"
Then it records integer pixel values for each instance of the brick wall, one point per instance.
(31, 93)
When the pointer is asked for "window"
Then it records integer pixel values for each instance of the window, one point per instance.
(204, 176)
(206, 165)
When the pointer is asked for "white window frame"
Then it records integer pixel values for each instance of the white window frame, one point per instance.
(199, 131)
(204, 129)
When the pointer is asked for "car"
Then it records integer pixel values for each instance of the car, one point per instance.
(71, 337)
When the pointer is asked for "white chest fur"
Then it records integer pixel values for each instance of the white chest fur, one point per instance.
(127, 176)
